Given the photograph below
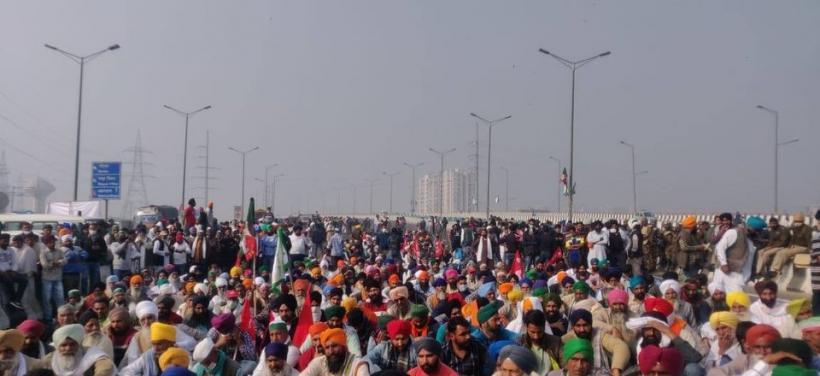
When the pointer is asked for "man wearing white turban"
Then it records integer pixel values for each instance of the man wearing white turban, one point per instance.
(147, 313)
(70, 359)
(670, 289)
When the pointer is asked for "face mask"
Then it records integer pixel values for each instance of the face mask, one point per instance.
(462, 288)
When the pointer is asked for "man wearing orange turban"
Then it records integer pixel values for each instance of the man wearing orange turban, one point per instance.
(315, 333)
(691, 254)
(337, 360)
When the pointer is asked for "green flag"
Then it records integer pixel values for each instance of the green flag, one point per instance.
(280, 259)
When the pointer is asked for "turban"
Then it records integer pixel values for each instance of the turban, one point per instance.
(515, 295)
(767, 332)
(174, 356)
(539, 292)
(334, 311)
(87, 316)
(349, 303)
(580, 314)
(487, 312)
(636, 281)
(485, 289)
(221, 282)
(393, 279)
(577, 346)
(278, 326)
(383, 320)
(73, 331)
(553, 297)
(810, 324)
(397, 327)
(755, 223)
(317, 328)
(276, 350)
(287, 300)
(796, 347)
(723, 318)
(539, 283)
(177, 371)
(765, 284)
(495, 349)
(235, 271)
(689, 222)
(163, 332)
(638, 323)
(654, 304)
(31, 328)
(669, 357)
(451, 273)
(560, 276)
(568, 281)
(429, 344)
(419, 310)
(203, 349)
(201, 300)
(146, 308)
(423, 276)
(670, 284)
(247, 283)
(796, 306)
(613, 272)
(224, 323)
(738, 297)
(504, 288)
(168, 302)
(200, 288)
(525, 282)
(337, 279)
(334, 335)
(300, 284)
(112, 279)
(14, 339)
(439, 282)
(398, 292)
(136, 279)
(792, 370)
(581, 286)
(521, 356)
(617, 296)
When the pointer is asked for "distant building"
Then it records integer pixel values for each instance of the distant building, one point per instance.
(458, 190)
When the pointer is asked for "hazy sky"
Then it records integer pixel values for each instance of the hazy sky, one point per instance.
(337, 92)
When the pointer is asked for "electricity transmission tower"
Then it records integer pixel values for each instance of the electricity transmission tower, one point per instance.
(136, 195)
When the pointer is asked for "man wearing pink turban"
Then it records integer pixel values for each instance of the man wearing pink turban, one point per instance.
(618, 313)
(654, 360)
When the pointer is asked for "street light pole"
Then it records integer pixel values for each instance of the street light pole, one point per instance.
(372, 181)
(559, 182)
(391, 175)
(273, 195)
(490, 124)
(506, 189)
(243, 153)
(187, 115)
(441, 153)
(572, 65)
(267, 182)
(80, 60)
(634, 178)
(413, 185)
(777, 145)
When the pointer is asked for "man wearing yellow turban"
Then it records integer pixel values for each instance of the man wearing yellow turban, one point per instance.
(69, 357)
(724, 347)
(739, 303)
(163, 337)
(11, 342)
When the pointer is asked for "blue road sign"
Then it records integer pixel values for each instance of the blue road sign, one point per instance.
(105, 180)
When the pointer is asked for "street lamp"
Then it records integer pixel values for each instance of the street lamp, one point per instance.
(267, 182)
(391, 175)
(243, 153)
(491, 124)
(634, 179)
(187, 115)
(573, 66)
(559, 181)
(507, 189)
(441, 153)
(273, 194)
(777, 145)
(80, 60)
(413, 185)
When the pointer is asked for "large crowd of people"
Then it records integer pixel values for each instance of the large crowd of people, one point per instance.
(312, 295)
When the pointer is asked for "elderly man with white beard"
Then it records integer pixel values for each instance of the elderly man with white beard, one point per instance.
(70, 359)
(670, 290)
(756, 342)
(618, 314)
(163, 337)
(12, 361)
